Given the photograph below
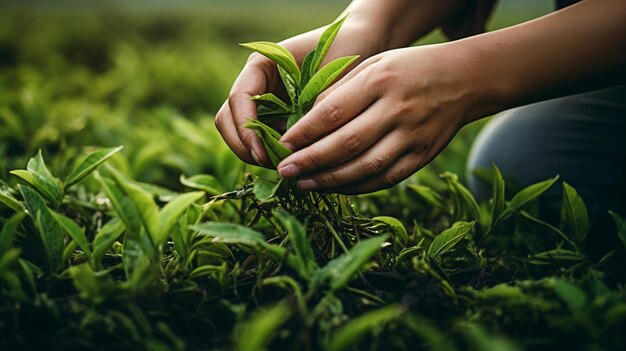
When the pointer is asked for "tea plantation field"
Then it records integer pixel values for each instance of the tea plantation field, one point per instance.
(127, 223)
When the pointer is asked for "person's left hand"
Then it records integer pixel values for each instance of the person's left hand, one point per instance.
(383, 121)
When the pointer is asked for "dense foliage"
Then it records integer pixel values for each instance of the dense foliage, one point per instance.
(171, 243)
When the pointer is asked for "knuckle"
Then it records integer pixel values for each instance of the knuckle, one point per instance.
(328, 180)
(373, 165)
(311, 161)
(390, 179)
(352, 143)
(232, 96)
(330, 114)
(219, 121)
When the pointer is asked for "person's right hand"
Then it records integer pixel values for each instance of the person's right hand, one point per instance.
(260, 76)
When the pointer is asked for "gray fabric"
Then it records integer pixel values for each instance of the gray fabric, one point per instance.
(581, 137)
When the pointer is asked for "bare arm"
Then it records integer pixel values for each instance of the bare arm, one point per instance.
(576, 49)
(397, 110)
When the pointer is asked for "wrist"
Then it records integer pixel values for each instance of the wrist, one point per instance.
(488, 91)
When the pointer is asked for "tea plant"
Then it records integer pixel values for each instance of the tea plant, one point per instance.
(217, 258)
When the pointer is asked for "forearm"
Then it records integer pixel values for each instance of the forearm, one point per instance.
(398, 23)
(577, 49)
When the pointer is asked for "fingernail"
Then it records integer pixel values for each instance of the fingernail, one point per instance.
(307, 184)
(288, 146)
(289, 171)
(255, 157)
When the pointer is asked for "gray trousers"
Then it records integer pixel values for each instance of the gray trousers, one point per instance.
(580, 137)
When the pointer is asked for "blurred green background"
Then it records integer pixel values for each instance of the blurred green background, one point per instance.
(150, 75)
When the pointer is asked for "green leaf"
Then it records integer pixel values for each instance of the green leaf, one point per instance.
(340, 270)
(10, 201)
(256, 333)
(354, 331)
(558, 257)
(449, 238)
(89, 164)
(7, 234)
(306, 68)
(231, 233)
(290, 85)
(265, 189)
(272, 101)
(324, 78)
(620, 223)
(429, 196)
(204, 182)
(465, 203)
(278, 54)
(401, 236)
(38, 175)
(276, 151)
(49, 230)
(299, 240)
(172, 211)
(572, 295)
(105, 237)
(123, 206)
(574, 217)
(498, 195)
(527, 195)
(326, 39)
(74, 231)
(142, 201)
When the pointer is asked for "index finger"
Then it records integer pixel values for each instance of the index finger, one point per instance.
(336, 109)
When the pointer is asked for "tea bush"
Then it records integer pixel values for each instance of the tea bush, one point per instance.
(171, 243)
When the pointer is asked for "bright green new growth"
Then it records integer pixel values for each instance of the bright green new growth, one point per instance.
(303, 85)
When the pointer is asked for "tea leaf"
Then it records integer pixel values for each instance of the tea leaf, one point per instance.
(326, 39)
(276, 151)
(574, 217)
(302, 246)
(527, 195)
(323, 78)
(142, 201)
(401, 236)
(49, 230)
(256, 333)
(204, 182)
(272, 101)
(38, 175)
(555, 256)
(357, 328)
(124, 208)
(89, 164)
(7, 234)
(230, 233)
(278, 54)
(429, 196)
(340, 270)
(290, 84)
(620, 223)
(74, 231)
(10, 201)
(105, 237)
(498, 195)
(172, 211)
(572, 295)
(449, 238)
(307, 62)
(265, 189)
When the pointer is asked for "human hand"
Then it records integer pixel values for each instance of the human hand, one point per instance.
(260, 76)
(383, 121)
